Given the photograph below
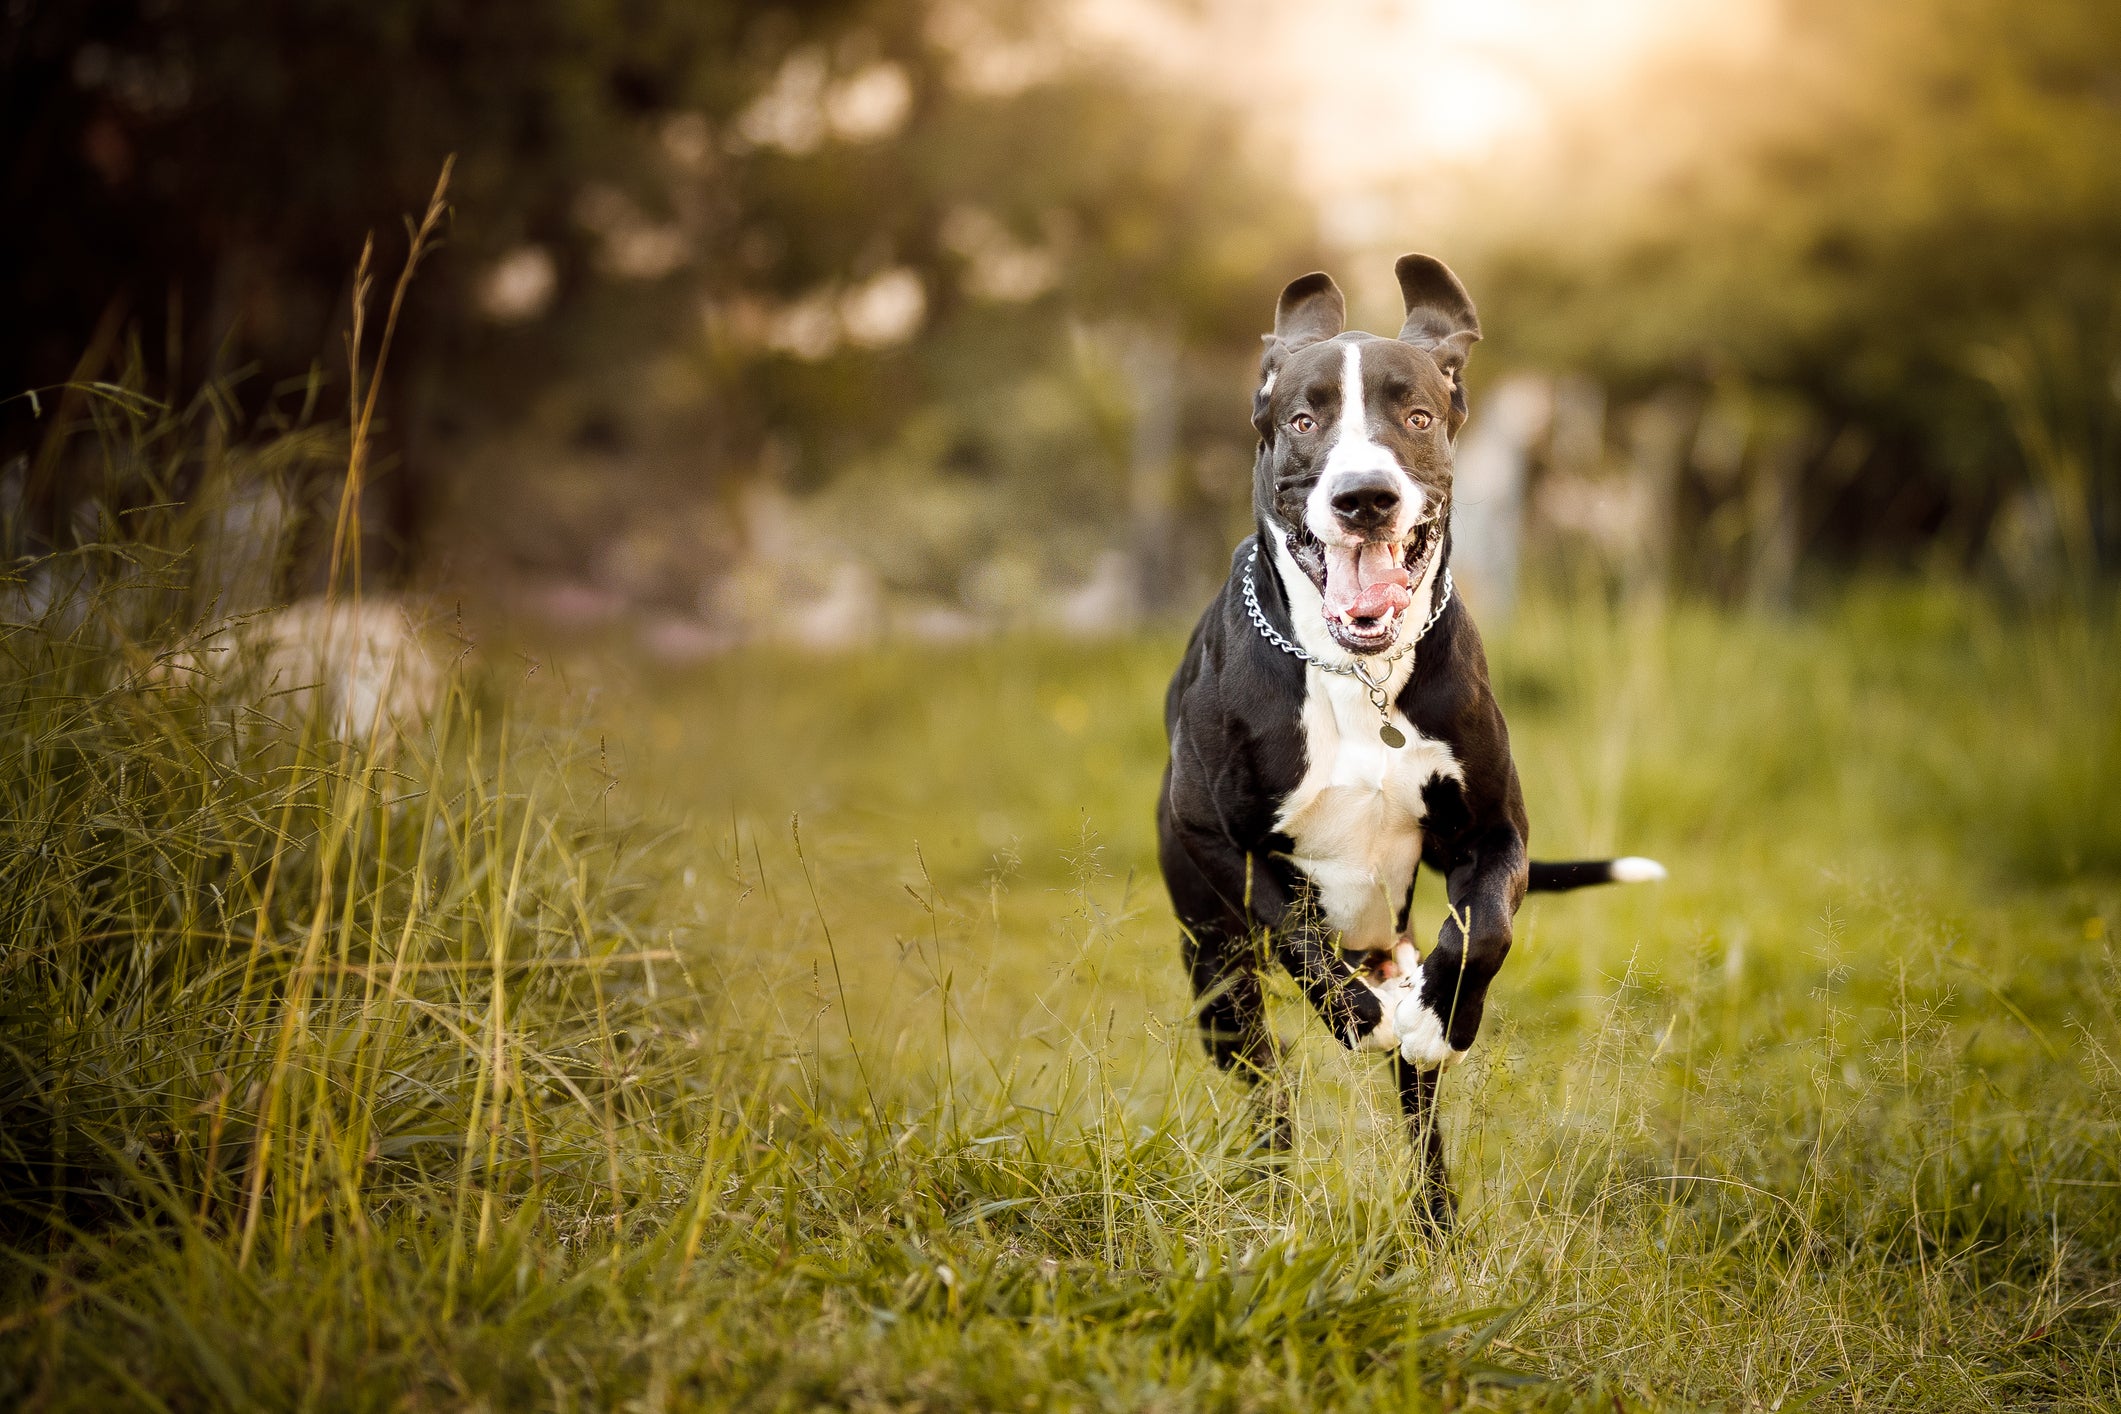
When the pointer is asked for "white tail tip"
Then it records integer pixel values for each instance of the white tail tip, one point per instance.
(1634, 869)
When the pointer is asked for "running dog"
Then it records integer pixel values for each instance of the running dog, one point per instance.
(1332, 727)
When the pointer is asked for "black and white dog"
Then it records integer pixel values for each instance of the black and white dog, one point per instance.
(1332, 727)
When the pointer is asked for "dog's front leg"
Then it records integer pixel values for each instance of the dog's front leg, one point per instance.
(1362, 1014)
(1484, 884)
(1417, 1101)
(1265, 892)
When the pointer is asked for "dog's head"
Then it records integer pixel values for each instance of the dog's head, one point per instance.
(1354, 468)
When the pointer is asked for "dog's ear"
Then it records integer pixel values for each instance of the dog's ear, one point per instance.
(1440, 319)
(1311, 308)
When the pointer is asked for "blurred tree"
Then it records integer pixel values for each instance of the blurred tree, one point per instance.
(1909, 218)
(692, 240)
(201, 171)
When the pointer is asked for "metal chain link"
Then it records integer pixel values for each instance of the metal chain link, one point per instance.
(1373, 683)
(1354, 669)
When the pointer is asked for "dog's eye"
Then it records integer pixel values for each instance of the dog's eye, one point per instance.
(1303, 422)
(1419, 419)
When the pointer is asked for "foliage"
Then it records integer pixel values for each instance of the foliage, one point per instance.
(692, 245)
(1903, 217)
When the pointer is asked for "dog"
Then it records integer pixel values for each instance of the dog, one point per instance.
(1332, 728)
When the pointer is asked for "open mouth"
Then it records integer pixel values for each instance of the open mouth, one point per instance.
(1367, 586)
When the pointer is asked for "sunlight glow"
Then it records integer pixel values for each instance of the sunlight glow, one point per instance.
(1368, 91)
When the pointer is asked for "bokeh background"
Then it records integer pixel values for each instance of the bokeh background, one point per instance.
(834, 321)
(680, 927)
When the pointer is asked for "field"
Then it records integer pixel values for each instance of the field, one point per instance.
(808, 1032)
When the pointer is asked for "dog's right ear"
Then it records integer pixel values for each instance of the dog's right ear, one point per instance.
(1440, 320)
(1311, 308)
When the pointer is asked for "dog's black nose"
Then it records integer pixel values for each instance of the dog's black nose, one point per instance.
(1366, 501)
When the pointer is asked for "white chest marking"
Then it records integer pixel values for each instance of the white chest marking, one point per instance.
(1355, 817)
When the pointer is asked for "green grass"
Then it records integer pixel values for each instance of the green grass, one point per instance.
(807, 1032)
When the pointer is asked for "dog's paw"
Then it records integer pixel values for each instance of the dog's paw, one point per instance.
(1393, 995)
(1421, 1036)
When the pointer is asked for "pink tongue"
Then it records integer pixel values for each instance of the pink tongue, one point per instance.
(1367, 582)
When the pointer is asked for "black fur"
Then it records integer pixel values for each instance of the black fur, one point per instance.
(1237, 751)
(1557, 877)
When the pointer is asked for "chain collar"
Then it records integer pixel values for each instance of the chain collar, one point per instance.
(1359, 668)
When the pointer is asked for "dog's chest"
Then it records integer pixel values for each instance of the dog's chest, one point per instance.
(1355, 817)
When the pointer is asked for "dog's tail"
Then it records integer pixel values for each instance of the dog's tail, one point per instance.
(1555, 878)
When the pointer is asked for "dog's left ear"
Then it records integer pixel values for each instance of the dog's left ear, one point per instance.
(1440, 319)
(1311, 308)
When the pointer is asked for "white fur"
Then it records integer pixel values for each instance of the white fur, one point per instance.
(1421, 1038)
(1634, 869)
(1394, 995)
(1353, 451)
(1355, 817)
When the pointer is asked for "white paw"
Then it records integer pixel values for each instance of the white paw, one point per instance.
(1394, 995)
(1421, 1039)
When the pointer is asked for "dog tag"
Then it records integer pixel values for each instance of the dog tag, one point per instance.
(1391, 735)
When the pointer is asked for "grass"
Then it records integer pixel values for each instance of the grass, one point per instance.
(800, 1032)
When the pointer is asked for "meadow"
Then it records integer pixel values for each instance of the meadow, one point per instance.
(795, 1032)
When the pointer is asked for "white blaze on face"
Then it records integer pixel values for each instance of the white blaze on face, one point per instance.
(1355, 452)
(1363, 580)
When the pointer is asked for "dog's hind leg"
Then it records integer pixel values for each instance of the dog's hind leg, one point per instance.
(1212, 891)
(1417, 1101)
(1232, 1010)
